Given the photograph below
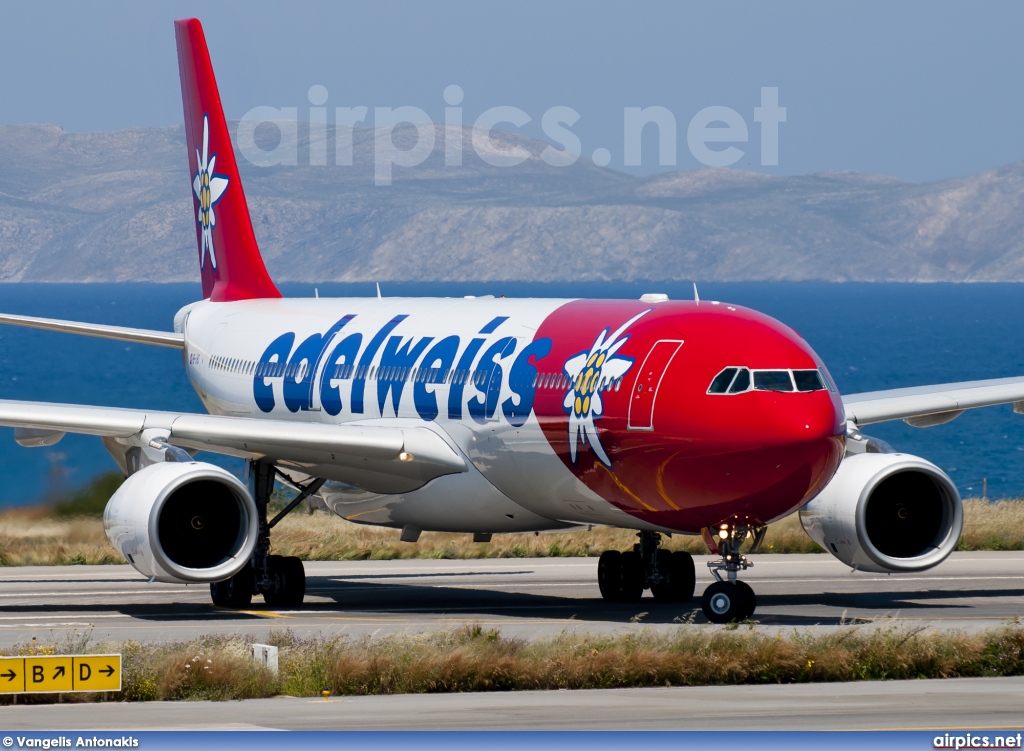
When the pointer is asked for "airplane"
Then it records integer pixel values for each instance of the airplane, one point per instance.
(492, 415)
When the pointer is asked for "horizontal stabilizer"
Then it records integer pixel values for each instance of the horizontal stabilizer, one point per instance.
(121, 333)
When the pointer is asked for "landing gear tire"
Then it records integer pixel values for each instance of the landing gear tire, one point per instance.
(725, 602)
(620, 576)
(632, 577)
(609, 574)
(749, 598)
(288, 582)
(235, 592)
(681, 577)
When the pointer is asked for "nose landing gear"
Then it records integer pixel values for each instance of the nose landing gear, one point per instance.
(729, 599)
(623, 576)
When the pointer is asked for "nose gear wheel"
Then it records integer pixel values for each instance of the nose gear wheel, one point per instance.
(728, 599)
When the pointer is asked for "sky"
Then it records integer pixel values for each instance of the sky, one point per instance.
(916, 90)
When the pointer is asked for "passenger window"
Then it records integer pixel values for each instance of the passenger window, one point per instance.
(741, 383)
(720, 384)
(772, 380)
(808, 380)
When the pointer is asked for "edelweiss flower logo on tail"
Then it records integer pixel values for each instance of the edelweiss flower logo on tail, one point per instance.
(587, 370)
(208, 188)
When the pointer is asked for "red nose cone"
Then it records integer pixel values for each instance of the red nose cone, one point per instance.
(683, 458)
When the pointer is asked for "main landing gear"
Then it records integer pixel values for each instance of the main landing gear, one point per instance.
(623, 577)
(280, 579)
(729, 599)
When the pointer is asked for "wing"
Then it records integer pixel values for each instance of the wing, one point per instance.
(925, 406)
(381, 459)
(121, 333)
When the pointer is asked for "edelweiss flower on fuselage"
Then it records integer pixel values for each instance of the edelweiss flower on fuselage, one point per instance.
(588, 371)
(208, 188)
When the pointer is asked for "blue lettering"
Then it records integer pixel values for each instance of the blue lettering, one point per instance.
(298, 386)
(262, 391)
(458, 385)
(338, 365)
(491, 327)
(359, 383)
(396, 362)
(489, 378)
(522, 379)
(437, 362)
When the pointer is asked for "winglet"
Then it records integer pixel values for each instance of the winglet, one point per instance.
(229, 258)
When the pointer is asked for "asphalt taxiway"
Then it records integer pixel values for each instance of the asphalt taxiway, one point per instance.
(521, 596)
(532, 598)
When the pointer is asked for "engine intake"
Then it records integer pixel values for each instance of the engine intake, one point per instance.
(179, 522)
(886, 513)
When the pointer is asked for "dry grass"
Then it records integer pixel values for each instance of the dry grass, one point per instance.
(997, 525)
(34, 537)
(472, 659)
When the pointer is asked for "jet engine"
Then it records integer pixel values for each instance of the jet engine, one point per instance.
(886, 513)
(183, 522)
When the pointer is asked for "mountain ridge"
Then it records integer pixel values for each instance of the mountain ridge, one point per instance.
(116, 206)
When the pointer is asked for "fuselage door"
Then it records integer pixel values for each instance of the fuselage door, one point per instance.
(648, 381)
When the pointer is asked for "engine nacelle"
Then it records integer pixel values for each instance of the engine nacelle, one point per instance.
(183, 522)
(886, 513)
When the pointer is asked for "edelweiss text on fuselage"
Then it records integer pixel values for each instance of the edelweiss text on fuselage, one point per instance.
(334, 368)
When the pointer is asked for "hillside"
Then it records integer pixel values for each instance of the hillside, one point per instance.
(116, 206)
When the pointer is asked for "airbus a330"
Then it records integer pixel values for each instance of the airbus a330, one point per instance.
(490, 415)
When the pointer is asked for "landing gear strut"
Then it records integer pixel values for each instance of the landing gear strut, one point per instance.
(729, 599)
(280, 579)
(623, 576)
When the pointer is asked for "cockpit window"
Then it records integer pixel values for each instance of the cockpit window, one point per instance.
(772, 380)
(808, 380)
(741, 382)
(721, 383)
(736, 380)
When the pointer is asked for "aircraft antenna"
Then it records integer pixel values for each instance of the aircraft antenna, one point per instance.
(696, 297)
(378, 290)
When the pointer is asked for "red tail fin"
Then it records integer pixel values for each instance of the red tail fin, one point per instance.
(229, 258)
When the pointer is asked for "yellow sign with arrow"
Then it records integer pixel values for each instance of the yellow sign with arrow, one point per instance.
(42, 674)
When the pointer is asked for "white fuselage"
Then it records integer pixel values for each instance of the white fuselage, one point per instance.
(455, 366)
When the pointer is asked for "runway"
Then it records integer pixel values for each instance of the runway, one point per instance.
(521, 596)
(533, 598)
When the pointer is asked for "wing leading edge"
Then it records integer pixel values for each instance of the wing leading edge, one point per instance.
(375, 458)
(925, 406)
(121, 333)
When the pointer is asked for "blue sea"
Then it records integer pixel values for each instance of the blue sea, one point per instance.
(872, 336)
